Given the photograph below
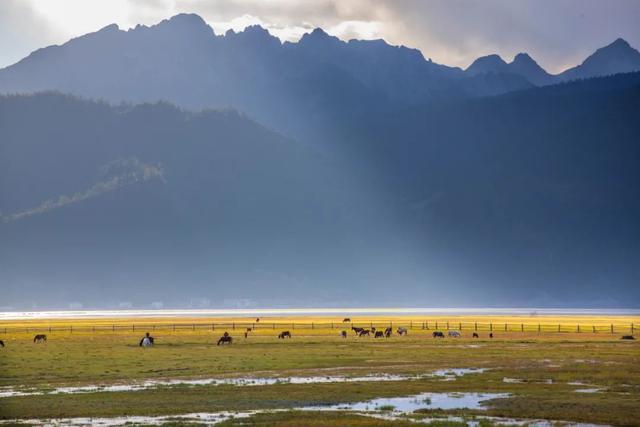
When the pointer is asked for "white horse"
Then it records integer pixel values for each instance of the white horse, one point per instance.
(454, 334)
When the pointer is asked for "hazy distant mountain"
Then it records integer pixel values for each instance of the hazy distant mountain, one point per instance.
(530, 198)
(618, 57)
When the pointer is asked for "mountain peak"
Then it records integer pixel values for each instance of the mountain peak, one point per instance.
(617, 57)
(185, 23)
(487, 64)
(316, 36)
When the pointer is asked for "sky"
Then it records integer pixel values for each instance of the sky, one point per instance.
(557, 33)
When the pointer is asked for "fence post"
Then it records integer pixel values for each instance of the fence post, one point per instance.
(612, 328)
(490, 327)
(558, 327)
(311, 325)
(538, 327)
(274, 326)
(331, 325)
(174, 327)
(475, 326)
(521, 327)
(411, 324)
(594, 329)
(436, 324)
(193, 327)
(632, 329)
(233, 325)
(460, 325)
(71, 328)
(505, 327)
(578, 328)
(447, 325)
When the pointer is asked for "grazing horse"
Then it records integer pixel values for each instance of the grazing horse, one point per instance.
(1, 343)
(438, 334)
(343, 334)
(357, 330)
(40, 338)
(378, 334)
(364, 332)
(146, 341)
(402, 331)
(491, 335)
(454, 334)
(346, 319)
(284, 334)
(225, 338)
(475, 335)
(388, 332)
(628, 337)
(257, 320)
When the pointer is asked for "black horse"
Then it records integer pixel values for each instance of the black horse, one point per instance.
(475, 335)
(378, 334)
(40, 338)
(388, 332)
(628, 337)
(438, 334)
(1, 343)
(343, 334)
(225, 338)
(364, 332)
(284, 334)
(357, 330)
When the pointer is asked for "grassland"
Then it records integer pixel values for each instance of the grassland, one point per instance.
(545, 364)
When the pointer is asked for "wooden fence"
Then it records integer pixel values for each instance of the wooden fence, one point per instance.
(327, 326)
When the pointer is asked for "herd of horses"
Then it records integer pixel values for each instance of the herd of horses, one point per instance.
(148, 340)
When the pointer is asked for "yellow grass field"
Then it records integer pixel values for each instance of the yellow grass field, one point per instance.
(538, 375)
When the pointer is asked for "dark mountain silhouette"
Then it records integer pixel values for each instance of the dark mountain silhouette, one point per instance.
(618, 57)
(529, 198)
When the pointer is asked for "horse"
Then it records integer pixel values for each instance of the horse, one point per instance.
(357, 330)
(454, 334)
(364, 332)
(40, 338)
(438, 334)
(257, 320)
(491, 335)
(146, 341)
(224, 339)
(378, 334)
(246, 335)
(475, 335)
(343, 334)
(284, 334)
(1, 343)
(346, 319)
(388, 332)
(402, 331)
(628, 337)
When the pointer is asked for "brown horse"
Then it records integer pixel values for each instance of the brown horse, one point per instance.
(225, 338)
(475, 335)
(40, 338)
(1, 343)
(346, 319)
(284, 334)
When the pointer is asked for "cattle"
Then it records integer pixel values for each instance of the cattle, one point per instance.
(284, 334)
(378, 334)
(475, 335)
(225, 338)
(454, 334)
(438, 334)
(402, 331)
(343, 334)
(628, 337)
(146, 341)
(40, 338)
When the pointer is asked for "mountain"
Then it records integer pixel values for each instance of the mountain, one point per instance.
(618, 57)
(529, 198)
(285, 85)
(522, 65)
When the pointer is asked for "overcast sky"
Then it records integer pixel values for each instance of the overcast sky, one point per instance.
(557, 33)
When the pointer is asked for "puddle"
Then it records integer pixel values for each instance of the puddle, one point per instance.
(410, 404)
(587, 390)
(445, 374)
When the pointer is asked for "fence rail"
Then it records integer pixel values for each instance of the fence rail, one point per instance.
(257, 326)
